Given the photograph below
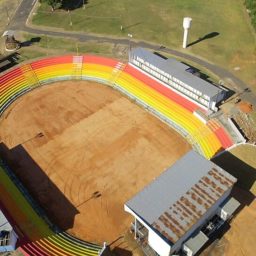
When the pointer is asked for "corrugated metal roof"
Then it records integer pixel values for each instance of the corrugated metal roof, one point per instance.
(178, 70)
(181, 195)
(4, 224)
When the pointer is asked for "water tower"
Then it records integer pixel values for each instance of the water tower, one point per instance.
(186, 25)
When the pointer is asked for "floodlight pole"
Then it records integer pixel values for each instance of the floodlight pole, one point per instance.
(7, 14)
(70, 19)
(135, 229)
(130, 38)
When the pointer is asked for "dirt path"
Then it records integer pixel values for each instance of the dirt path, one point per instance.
(83, 150)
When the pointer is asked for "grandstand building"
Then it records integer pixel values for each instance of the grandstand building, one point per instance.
(181, 209)
(179, 77)
(8, 237)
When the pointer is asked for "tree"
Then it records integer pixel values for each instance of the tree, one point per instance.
(251, 8)
(53, 3)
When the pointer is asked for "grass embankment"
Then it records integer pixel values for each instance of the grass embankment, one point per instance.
(42, 46)
(227, 37)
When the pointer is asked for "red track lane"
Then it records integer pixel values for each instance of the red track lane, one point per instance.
(161, 89)
(224, 138)
(10, 76)
(52, 61)
(99, 60)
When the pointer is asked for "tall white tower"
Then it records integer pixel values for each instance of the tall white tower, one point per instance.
(186, 25)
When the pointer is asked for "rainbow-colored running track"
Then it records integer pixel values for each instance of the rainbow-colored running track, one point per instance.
(208, 139)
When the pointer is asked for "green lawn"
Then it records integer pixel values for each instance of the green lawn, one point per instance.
(59, 46)
(161, 22)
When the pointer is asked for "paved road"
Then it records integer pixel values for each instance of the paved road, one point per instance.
(19, 24)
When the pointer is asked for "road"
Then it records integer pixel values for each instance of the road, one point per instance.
(19, 23)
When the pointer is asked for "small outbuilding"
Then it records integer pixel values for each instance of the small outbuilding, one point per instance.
(8, 237)
(183, 207)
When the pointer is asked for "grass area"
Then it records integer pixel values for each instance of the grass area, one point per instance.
(161, 22)
(42, 46)
(67, 45)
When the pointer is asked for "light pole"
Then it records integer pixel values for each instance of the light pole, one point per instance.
(7, 14)
(130, 38)
(70, 19)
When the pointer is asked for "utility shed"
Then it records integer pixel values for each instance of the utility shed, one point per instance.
(8, 237)
(195, 243)
(182, 199)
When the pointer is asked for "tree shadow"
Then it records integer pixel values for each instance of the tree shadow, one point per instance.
(58, 208)
(30, 42)
(207, 36)
(72, 5)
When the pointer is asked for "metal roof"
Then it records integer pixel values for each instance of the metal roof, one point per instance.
(4, 224)
(181, 195)
(178, 70)
(196, 242)
(231, 205)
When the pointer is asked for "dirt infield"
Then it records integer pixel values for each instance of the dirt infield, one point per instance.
(83, 150)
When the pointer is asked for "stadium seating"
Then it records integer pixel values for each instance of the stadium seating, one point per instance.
(208, 138)
(37, 237)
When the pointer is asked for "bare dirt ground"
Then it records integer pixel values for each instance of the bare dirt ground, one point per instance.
(83, 149)
(241, 236)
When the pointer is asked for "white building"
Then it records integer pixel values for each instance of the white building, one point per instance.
(180, 209)
(8, 237)
(178, 77)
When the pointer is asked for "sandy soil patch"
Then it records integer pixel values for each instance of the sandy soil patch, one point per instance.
(83, 150)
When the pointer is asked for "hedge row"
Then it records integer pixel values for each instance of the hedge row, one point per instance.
(251, 7)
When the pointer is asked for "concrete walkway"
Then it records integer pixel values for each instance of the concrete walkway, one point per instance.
(19, 23)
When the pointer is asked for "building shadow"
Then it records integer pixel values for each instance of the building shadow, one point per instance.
(59, 210)
(245, 174)
(30, 42)
(205, 37)
(117, 251)
(245, 198)
(9, 61)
